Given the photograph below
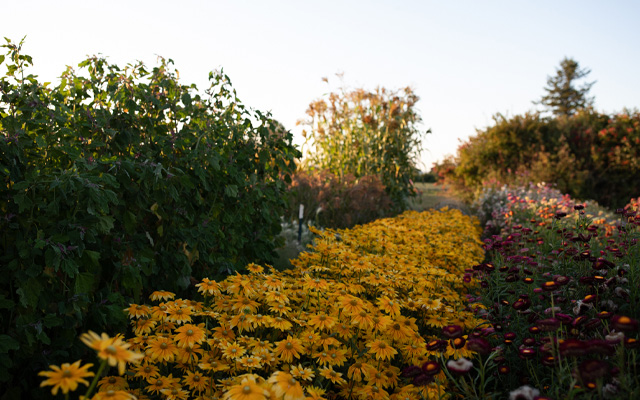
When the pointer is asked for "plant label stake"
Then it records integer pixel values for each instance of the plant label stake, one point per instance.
(300, 215)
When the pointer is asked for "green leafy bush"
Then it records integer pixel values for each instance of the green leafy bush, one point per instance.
(588, 155)
(116, 181)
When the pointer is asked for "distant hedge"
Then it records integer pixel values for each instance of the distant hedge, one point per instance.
(588, 155)
(116, 181)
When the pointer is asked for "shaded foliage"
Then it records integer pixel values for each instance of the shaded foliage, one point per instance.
(116, 181)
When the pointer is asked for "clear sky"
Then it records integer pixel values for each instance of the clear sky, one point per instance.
(467, 60)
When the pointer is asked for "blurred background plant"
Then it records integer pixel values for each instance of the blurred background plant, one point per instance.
(362, 133)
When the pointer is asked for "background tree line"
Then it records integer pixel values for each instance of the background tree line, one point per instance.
(585, 153)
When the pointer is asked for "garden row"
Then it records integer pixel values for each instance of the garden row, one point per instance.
(371, 312)
(562, 294)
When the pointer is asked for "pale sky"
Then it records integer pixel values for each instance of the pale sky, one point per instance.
(466, 60)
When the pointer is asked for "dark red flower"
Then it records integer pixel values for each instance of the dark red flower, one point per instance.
(548, 324)
(631, 343)
(624, 324)
(436, 345)
(600, 346)
(527, 352)
(411, 371)
(572, 348)
(590, 370)
(422, 380)
(458, 343)
(549, 286)
(479, 345)
(452, 331)
(431, 368)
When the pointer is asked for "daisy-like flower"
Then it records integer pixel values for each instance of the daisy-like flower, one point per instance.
(310, 283)
(333, 376)
(146, 371)
(322, 321)
(398, 332)
(189, 335)
(114, 350)
(162, 295)
(381, 322)
(390, 306)
(233, 351)
(113, 395)
(187, 355)
(286, 386)
(195, 381)
(361, 369)
(208, 287)
(247, 389)
(214, 364)
(243, 303)
(315, 393)
(224, 332)
(429, 303)
(275, 296)
(289, 349)
(322, 357)
(112, 383)
(175, 393)
(138, 310)
(161, 349)
(280, 308)
(351, 304)
(66, 377)
(179, 314)
(155, 385)
(373, 392)
(301, 373)
(281, 324)
(143, 326)
(381, 349)
(251, 362)
(326, 341)
(255, 268)
(362, 320)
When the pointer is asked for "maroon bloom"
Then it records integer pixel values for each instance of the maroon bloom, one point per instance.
(624, 324)
(431, 368)
(452, 331)
(479, 345)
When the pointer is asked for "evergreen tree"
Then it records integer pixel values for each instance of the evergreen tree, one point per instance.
(563, 96)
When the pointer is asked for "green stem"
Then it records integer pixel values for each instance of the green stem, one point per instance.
(95, 379)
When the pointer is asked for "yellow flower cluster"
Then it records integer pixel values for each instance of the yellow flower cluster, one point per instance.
(357, 309)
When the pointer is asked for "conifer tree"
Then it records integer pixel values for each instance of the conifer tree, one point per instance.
(563, 96)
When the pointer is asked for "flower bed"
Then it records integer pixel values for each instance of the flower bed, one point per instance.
(371, 312)
(562, 295)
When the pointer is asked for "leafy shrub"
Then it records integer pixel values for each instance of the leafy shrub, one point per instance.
(332, 202)
(117, 181)
(587, 155)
